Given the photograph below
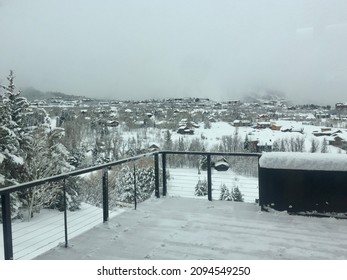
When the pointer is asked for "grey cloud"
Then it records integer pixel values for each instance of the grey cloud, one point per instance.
(161, 48)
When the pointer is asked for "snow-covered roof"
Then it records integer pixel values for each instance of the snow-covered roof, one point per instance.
(304, 161)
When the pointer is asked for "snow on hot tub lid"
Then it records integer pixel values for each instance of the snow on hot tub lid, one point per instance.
(304, 161)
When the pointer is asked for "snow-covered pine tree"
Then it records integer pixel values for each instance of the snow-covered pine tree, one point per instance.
(276, 146)
(203, 163)
(225, 193)
(145, 179)
(201, 188)
(324, 147)
(13, 139)
(314, 145)
(236, 194)
(12, 136)
(58, 157)
(48, 157)
(246, 143)
(144, 183)
(126, 185)
(168, 140)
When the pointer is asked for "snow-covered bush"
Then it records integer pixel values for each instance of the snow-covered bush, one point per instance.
(225, 193)
(236, 194)
(121, 182)
(201, 188)
(145, 183)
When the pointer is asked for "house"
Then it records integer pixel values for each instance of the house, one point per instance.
(246, 123)
(258, 146)
(104, 104)
(262, 125)
(186, 127)
(340, 106)
(338, 139)
(263, 118)
(292, 129)
(185, 130)
(153, 148)
(112, 123)
(276, 127)
(237, 123)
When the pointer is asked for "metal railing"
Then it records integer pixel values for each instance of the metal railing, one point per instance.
(208, 156)
(160, 177)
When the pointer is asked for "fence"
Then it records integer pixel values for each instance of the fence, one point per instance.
(70, 225)
(183, 171)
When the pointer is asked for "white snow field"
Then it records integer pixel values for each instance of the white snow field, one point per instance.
(182, 183)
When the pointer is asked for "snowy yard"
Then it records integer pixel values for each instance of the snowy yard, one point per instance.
(182, 183)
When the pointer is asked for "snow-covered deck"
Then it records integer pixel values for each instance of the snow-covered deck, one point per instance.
(187, 228)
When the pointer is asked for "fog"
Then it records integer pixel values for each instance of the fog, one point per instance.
(137, 49)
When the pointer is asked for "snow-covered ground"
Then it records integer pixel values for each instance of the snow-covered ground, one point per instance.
(182, 183)
(211, 137)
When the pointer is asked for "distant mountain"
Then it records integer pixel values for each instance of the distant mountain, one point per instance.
(33, 94)
(265, 96)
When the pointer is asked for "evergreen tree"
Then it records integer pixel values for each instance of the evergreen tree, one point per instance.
(314, 145)
(48, 157)
(126, 185)
(144, 183)
(275, 146)
(12, 136)
(282, 146)
(145, 179)
(201, 188)
(246, 143)
(168, 141)
(207, 124)
(236, 194)
(324, 148)
(225, 193)
(29, 150)
(203, 163)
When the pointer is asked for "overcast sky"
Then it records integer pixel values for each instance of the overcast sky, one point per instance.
(140, 49)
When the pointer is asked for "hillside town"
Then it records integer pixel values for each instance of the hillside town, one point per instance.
(184, 115)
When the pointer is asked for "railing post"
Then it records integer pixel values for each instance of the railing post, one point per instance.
(7, 226)
(65, 213)
(135, 189)
(209, 178)
(156, 171)
(163, 158)
(260, 182)
(105, 194)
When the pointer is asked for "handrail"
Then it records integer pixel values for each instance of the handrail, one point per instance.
(212, 153)
(37, 182)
